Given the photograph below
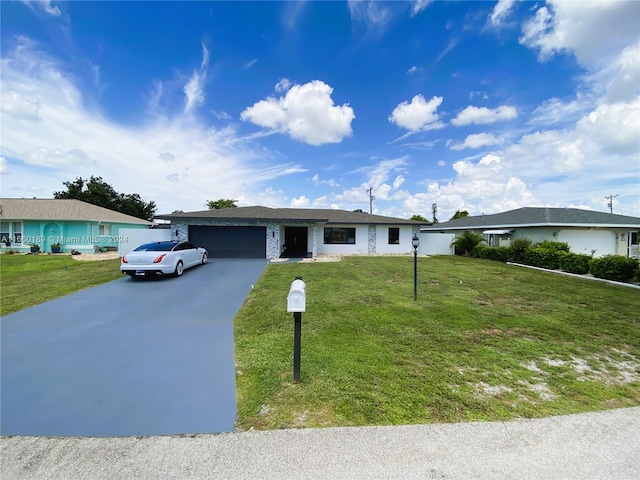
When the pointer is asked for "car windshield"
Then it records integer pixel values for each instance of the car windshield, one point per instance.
(156, 247)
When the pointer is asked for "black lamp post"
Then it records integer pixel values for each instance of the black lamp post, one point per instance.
(415, 242)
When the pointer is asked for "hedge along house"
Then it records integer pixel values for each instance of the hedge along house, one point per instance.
(585, 231)
(262, 232)
(73, 224)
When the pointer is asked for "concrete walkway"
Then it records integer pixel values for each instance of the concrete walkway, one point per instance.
(603, 445)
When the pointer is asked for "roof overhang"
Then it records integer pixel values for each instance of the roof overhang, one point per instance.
(497, 232)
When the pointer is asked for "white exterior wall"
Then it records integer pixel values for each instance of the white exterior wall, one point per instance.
(361, 247)
(134, 237)
(382, 240)
(436, 244)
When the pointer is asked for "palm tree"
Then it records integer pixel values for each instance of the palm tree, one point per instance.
(467, 242)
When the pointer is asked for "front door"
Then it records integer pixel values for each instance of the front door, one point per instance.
(296, 242)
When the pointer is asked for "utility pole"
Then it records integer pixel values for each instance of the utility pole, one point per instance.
(610, 203)
(371, 197)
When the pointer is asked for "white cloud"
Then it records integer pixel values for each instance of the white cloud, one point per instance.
(418, 6)
(385, 177)
(44, 5)
(283, 85)
(482, 115)
(417, 115)
(554, 111)
(582, 28)
(620, 80)
(615, 127)
(374, 15)
(413, 70)
(250, 63)
(318, 181)
(193, 90)
(476, 140)
(300, 202)
(19, 107)
(501, 11)
(175, 160)
(306, 113)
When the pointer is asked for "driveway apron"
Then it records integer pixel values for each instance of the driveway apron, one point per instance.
(149, 357)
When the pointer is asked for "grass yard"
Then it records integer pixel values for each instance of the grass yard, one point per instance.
(484, 341)
(27, 280)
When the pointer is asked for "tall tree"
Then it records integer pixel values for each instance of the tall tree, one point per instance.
(434, 211)
(220, 204)
(97, 192)
(459, 214)
(419, 218)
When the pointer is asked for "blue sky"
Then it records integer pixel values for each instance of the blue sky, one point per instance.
(477, 106)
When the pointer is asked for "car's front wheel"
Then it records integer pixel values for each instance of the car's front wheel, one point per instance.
(179, 269)
(205, 258)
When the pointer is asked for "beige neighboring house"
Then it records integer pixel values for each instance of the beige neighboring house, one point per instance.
(585, 231)
(61, 224)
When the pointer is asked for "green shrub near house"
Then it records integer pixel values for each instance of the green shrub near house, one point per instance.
(614, 267)
(496, 253)
(518, 249)
(577, 263)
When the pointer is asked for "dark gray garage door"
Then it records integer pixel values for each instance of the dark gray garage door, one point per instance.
(230, 242)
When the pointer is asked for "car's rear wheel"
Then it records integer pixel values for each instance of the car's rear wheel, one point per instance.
(205, 258)
(179, 269)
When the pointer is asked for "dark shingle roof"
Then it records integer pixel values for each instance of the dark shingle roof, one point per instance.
(54, 209)
(288, 215)
(534, 217)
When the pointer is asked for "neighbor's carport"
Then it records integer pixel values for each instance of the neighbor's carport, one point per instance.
(128, 357)
(230, 241)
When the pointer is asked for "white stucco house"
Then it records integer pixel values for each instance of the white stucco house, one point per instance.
(585, 231)
(262, 232)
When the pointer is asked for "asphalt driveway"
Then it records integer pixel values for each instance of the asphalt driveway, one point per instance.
(150, 357)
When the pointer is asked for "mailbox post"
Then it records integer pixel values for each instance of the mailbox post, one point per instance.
(296, 303)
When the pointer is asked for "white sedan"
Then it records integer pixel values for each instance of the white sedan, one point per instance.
(162, 258)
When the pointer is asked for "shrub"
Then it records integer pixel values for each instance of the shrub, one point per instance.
(575, 263)
(614, 267)
(476, 251)
(542, 258)
(518, 249)
(496, 253)
(554, 246)
(466, 242)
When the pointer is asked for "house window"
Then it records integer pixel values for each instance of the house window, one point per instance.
(634, 238)
(339, 235)
(10, 232)
(104, 229)
(394, 235)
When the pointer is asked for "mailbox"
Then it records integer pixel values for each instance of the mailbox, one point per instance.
(297, 298)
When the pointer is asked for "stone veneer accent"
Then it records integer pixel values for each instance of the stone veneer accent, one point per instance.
(372, 238)
(314, 242)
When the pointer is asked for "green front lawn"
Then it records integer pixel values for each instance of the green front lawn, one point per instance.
(484, 341)
(27, 280)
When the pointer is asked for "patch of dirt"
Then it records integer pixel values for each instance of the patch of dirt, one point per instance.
(484, 389)
(93, 257)
(322, 258)
(596, 368)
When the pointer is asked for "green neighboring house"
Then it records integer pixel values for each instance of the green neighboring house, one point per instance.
(69, 224)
